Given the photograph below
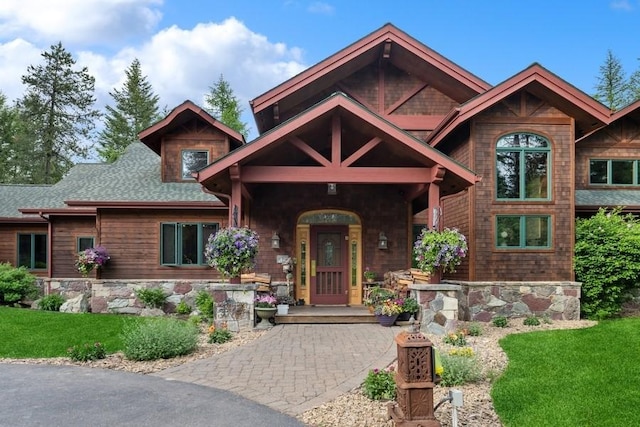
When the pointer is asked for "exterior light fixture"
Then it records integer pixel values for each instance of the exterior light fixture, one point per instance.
(382, 241)
(332, 189)
(275, 240)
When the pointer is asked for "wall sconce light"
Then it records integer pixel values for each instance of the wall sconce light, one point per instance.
(332, 189)
(382, 241)
(275, 240)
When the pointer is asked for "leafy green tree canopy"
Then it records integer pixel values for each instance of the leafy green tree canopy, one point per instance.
(223, 105)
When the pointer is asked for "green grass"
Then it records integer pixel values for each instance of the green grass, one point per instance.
(585, 377)
(28, 333)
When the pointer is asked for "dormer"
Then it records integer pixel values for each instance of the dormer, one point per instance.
(187, 140)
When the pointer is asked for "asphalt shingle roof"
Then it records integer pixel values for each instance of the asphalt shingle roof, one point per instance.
(134, 177)
(608, 198)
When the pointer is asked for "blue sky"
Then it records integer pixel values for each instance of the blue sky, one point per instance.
(185, 45)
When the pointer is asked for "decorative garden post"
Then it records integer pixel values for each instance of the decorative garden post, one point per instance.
(415, 380)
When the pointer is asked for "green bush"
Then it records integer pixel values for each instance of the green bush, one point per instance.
(204, 303)
(86, 352)
(456, 338)
(606, 261)
(531, 321)
(380, 384)
(183, 308)
(51, 302)
(159, 339)
(220, 336)
(474, 329)
(459, 370)
(152, 297)
(16, 284)
(500, 322)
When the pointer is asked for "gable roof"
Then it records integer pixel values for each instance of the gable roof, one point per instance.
(386, 43)
(458, 176)
(152, 136)
(590, 115)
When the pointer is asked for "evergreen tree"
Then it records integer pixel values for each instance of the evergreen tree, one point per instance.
(634, 85)
(8, 129)
(224, 106)
(58, 108)
(612, 88)
(136, 108)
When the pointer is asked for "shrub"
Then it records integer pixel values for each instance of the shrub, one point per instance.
(51, 302)
(86, 352)
(459, 370)
(474, 330)
(159, 339)
(458, 339)
(204, 303)
(500, 322)
(606, 261)
(152, 297)
(16, 284)
(462, 352)
(380, 384)
(219, 335)
(183, 308)
(531, 321)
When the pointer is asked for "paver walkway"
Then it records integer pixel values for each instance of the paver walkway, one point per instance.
(294, 368)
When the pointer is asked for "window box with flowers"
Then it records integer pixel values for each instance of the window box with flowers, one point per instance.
(92, 258)
(438, 252)
(232, 251)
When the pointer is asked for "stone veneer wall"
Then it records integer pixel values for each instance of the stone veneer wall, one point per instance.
(445, 303)
(234, 303)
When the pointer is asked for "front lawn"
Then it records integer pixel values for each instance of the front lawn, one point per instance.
(34, 333)
(582, 377)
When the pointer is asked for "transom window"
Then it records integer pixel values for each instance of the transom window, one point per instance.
(193, 160)
(32, 251)
(614, 172)
(183, 243)
(522, 167)
(523, 231)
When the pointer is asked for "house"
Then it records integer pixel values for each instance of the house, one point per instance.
(355, 155)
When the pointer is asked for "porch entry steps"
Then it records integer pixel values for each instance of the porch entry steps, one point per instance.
(318, 314)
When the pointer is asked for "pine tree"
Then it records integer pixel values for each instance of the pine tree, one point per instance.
(612, 88)
(58, 106)
(136, 108)
(223, 105)
(8, 130)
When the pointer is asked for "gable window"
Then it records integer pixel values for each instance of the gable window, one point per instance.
(522, 167)
(83, 243)
(614, 172)
(183, 243)
(32, 251)
(193, 160)
(523, 231)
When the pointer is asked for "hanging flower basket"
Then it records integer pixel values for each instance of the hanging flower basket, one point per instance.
(440, 250)
(232, 250)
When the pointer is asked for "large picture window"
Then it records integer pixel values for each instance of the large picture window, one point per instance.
(32, 251)
(522, 167)
(193, 160)
(183, 243)
(523, 231)
(614, 172)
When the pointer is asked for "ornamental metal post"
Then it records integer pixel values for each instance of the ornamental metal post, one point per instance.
(415, 380)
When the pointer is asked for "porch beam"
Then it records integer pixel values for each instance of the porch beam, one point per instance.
(317, 174)
(361, 152)
(336, 139)
(306, 149)
(235, 205)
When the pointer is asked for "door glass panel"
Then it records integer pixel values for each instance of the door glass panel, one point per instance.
(329, 250)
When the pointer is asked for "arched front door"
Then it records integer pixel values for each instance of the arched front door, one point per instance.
(329, 255)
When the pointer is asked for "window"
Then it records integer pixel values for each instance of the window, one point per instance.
(183, 243)
(193, 160)
(32, 251)
(523, 231)
(522, 167)
(83, 243)
(614, 172)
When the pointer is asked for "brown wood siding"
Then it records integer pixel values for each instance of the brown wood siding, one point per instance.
(65, 232)
(9, 241)
(455, 214)
(618, 141)
(552, 264)
(192, 136)
(132, 238)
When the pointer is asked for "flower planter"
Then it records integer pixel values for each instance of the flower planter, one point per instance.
(386, 320)
(283, 309)
(265, 315)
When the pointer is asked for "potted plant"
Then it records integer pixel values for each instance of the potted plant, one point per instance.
(369, 275)
(376, 296)
(387, 311)
(436, 252)
(232, 251)
(92, 258)
(409, 307)
(283, 304)
(265, 308)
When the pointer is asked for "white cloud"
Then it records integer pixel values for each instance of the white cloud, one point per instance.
(321, 8)
(621, 5)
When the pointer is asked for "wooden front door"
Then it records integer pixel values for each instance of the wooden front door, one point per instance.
(329, 284)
